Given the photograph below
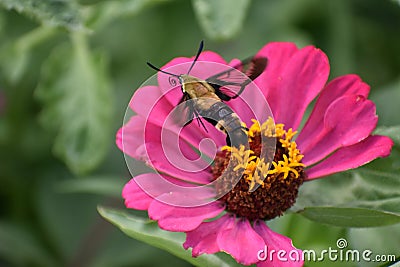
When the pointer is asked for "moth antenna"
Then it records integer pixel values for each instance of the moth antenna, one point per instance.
(197, 55)
(160, 70)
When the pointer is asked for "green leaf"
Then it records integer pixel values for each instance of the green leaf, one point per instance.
(222, 19)
(362, 198)
(107, 186)
(64, 13)
(148, 232)
(102, 13)
(15, 55)
(76, 94)
(391, 131)
(19, 246)
(350, 217)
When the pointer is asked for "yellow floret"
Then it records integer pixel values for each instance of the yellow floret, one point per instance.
(255, 170)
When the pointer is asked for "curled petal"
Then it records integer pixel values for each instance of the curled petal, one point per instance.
(285, 253)
(347, 121)
(141, 190)
(130, 138)
(182, 219)
(352, 156)
(203, 239)
(241, 242)
(341, 86)
(135, 197)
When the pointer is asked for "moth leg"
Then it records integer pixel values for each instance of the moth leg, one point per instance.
(199, 121)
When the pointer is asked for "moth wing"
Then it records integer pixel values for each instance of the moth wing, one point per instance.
(185, 112)
(230, 84)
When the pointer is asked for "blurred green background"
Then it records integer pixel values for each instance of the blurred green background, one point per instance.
(69, 68)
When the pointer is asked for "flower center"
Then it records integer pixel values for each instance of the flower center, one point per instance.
(277, 184)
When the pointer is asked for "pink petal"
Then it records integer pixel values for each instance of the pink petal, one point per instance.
(347, 121)
(181, 219)
(203, 239)
(194, 133)
(303, 78)
(209, 56)
(148, 98)
(135, 197)
(278, 55)
(175, 192)
(141, 190)
(150, 104)
(173, 156)
(292, 80)
(235, 62)
(352, 156)
(290, 256)
(241, 242)
(251, 104)
(341, 86)
(130, 138)
(189, 196)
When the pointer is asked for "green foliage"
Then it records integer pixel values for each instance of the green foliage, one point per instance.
(350, 217)
(149, 232)
(78, 104)
(391, 131)
(21, 248)
(222, 19)
(380, 240)
(63, 13)
(386, 100)
(105, 186)
(365, 197)
(15, 56)
(104, 12)
(362, 198)
(67, 72)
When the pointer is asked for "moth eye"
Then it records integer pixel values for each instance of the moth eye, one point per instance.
(172, 81)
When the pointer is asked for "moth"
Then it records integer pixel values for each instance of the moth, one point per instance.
(204, 99)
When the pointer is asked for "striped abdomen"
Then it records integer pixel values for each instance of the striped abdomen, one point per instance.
(226, 120)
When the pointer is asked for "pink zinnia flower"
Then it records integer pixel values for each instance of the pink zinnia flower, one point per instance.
(335, 137)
